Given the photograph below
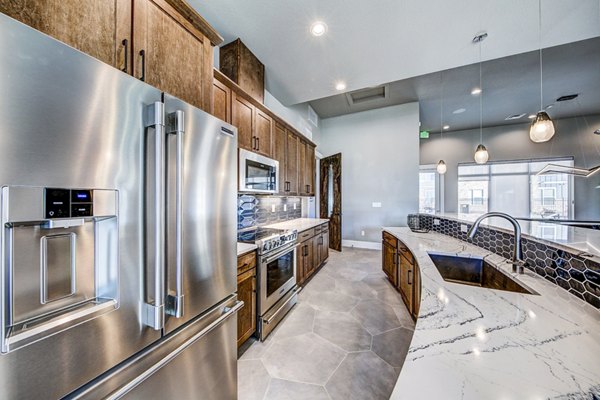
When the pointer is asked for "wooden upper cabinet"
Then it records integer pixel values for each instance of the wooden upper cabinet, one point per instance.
(101, 29)
(302, 168)
(279, 149)
(291, 163)
(242, 117)
(309, 170)
(263, 134)
(171, 54)
(221, 101)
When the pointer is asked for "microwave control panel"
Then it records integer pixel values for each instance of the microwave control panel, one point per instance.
(68, 203)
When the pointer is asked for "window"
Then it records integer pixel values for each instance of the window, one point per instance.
(513, 187)
(431, 186)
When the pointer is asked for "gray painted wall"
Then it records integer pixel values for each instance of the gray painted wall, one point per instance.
(380, 163)
(573, 137)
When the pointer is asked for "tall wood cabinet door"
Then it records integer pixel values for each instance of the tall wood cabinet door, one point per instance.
(309, 170)
(101, 29)
(221, 101)
(389, 262)
(247, 314)
(242, 117)
(263, 133)
(170, 54)
(291, 163)
(279, 147)
(301, 171)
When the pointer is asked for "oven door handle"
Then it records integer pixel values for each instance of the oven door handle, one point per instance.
(279, 254)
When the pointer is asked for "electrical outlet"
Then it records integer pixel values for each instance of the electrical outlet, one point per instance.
(436, 221)
(285, 207)
(362, 233)
(376, 204)
(464, 228)
(294, 206)
(272, 207)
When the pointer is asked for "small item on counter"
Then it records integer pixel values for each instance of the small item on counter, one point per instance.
(414, 223)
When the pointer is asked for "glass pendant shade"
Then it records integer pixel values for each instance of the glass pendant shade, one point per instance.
(441, 167)
(481, 155)
(542, 128)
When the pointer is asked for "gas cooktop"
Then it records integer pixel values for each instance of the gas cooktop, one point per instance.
(267, 239)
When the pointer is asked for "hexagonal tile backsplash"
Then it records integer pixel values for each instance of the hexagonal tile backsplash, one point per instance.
(574, 273)
(258, 210)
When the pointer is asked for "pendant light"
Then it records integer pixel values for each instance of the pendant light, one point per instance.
(441, 165)
(542, 127)
(481, 154)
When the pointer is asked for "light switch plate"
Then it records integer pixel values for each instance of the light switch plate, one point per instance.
(285, 207)
(436, 221)
(464, 228)
(272, 207)
(376, 204)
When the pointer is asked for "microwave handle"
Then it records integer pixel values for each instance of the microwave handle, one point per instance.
(175, 302)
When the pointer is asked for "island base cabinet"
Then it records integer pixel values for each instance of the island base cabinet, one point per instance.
(313, 252)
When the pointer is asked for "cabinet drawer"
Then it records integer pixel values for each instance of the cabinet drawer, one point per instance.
(246, 262)
(318, 229)
(307, 234)
(390, 239)
(405, 252)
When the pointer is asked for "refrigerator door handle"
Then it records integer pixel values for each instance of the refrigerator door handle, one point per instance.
(153, 307)
(175, 302)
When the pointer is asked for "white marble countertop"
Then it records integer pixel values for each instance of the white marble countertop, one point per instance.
(300, 224)
(478, 343)
(243, 248)
(585, 242)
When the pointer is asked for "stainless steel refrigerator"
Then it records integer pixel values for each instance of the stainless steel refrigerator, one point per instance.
(118, 235)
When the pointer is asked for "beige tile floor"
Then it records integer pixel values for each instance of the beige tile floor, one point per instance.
(345, 339)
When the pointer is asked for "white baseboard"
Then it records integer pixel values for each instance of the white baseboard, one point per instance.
(361, 245)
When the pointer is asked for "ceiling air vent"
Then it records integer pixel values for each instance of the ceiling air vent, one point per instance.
(367, 95)
(514, 116)
(568, 97)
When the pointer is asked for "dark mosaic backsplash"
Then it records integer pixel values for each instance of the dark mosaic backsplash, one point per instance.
(580, 276)
(256, 210)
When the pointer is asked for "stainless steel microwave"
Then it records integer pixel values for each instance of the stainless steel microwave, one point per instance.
(258, 174)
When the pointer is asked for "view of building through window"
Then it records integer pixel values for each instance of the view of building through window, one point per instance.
(427, 191)
(513, 187)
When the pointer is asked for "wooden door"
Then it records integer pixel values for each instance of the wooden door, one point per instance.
(406, 280)
(389, 262)
(304, 261)
(171, 54)
(247, 314)
(301, 168)
(242, 117)
(279, 147)
(331, 170)
(221, 101)
(309, 170)
(101, 29)
(263, 133)
(291, 163)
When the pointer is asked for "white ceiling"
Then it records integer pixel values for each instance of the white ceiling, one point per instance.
(373, 42)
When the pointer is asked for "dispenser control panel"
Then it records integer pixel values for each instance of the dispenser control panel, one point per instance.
(68, 203)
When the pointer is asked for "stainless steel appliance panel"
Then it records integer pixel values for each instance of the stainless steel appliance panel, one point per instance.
(71, 121)
(277, 276)
(202, 246)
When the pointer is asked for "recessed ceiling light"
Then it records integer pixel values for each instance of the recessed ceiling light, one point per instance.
(515, 116)
(459, 111)
(476, 91)
(340, 85)
(531, 116)
(318, 28)
(446, 127)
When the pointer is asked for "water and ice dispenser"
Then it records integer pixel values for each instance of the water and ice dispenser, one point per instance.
(60, 260)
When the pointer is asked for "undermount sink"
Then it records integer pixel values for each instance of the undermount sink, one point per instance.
(475, 271)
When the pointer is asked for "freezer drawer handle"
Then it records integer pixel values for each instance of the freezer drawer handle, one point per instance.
(153, 315)
(228, 312)
(175, 301)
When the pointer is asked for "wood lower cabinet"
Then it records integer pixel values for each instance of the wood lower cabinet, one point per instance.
(246, 282)
(313, 252)
(401, 268)
(101, 29)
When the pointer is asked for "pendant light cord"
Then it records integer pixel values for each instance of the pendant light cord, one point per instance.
(480, 98)
(541, 63)
(441, 106)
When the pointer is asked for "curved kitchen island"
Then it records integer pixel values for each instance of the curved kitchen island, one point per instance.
(478, 343)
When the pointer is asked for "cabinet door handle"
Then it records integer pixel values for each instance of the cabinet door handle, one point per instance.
(253, 142)
(257, 144)
(143, 55)
(125, 44)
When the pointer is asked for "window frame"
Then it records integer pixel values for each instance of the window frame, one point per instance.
(439, 187)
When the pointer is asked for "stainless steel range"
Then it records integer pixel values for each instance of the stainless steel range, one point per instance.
(276, 274)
